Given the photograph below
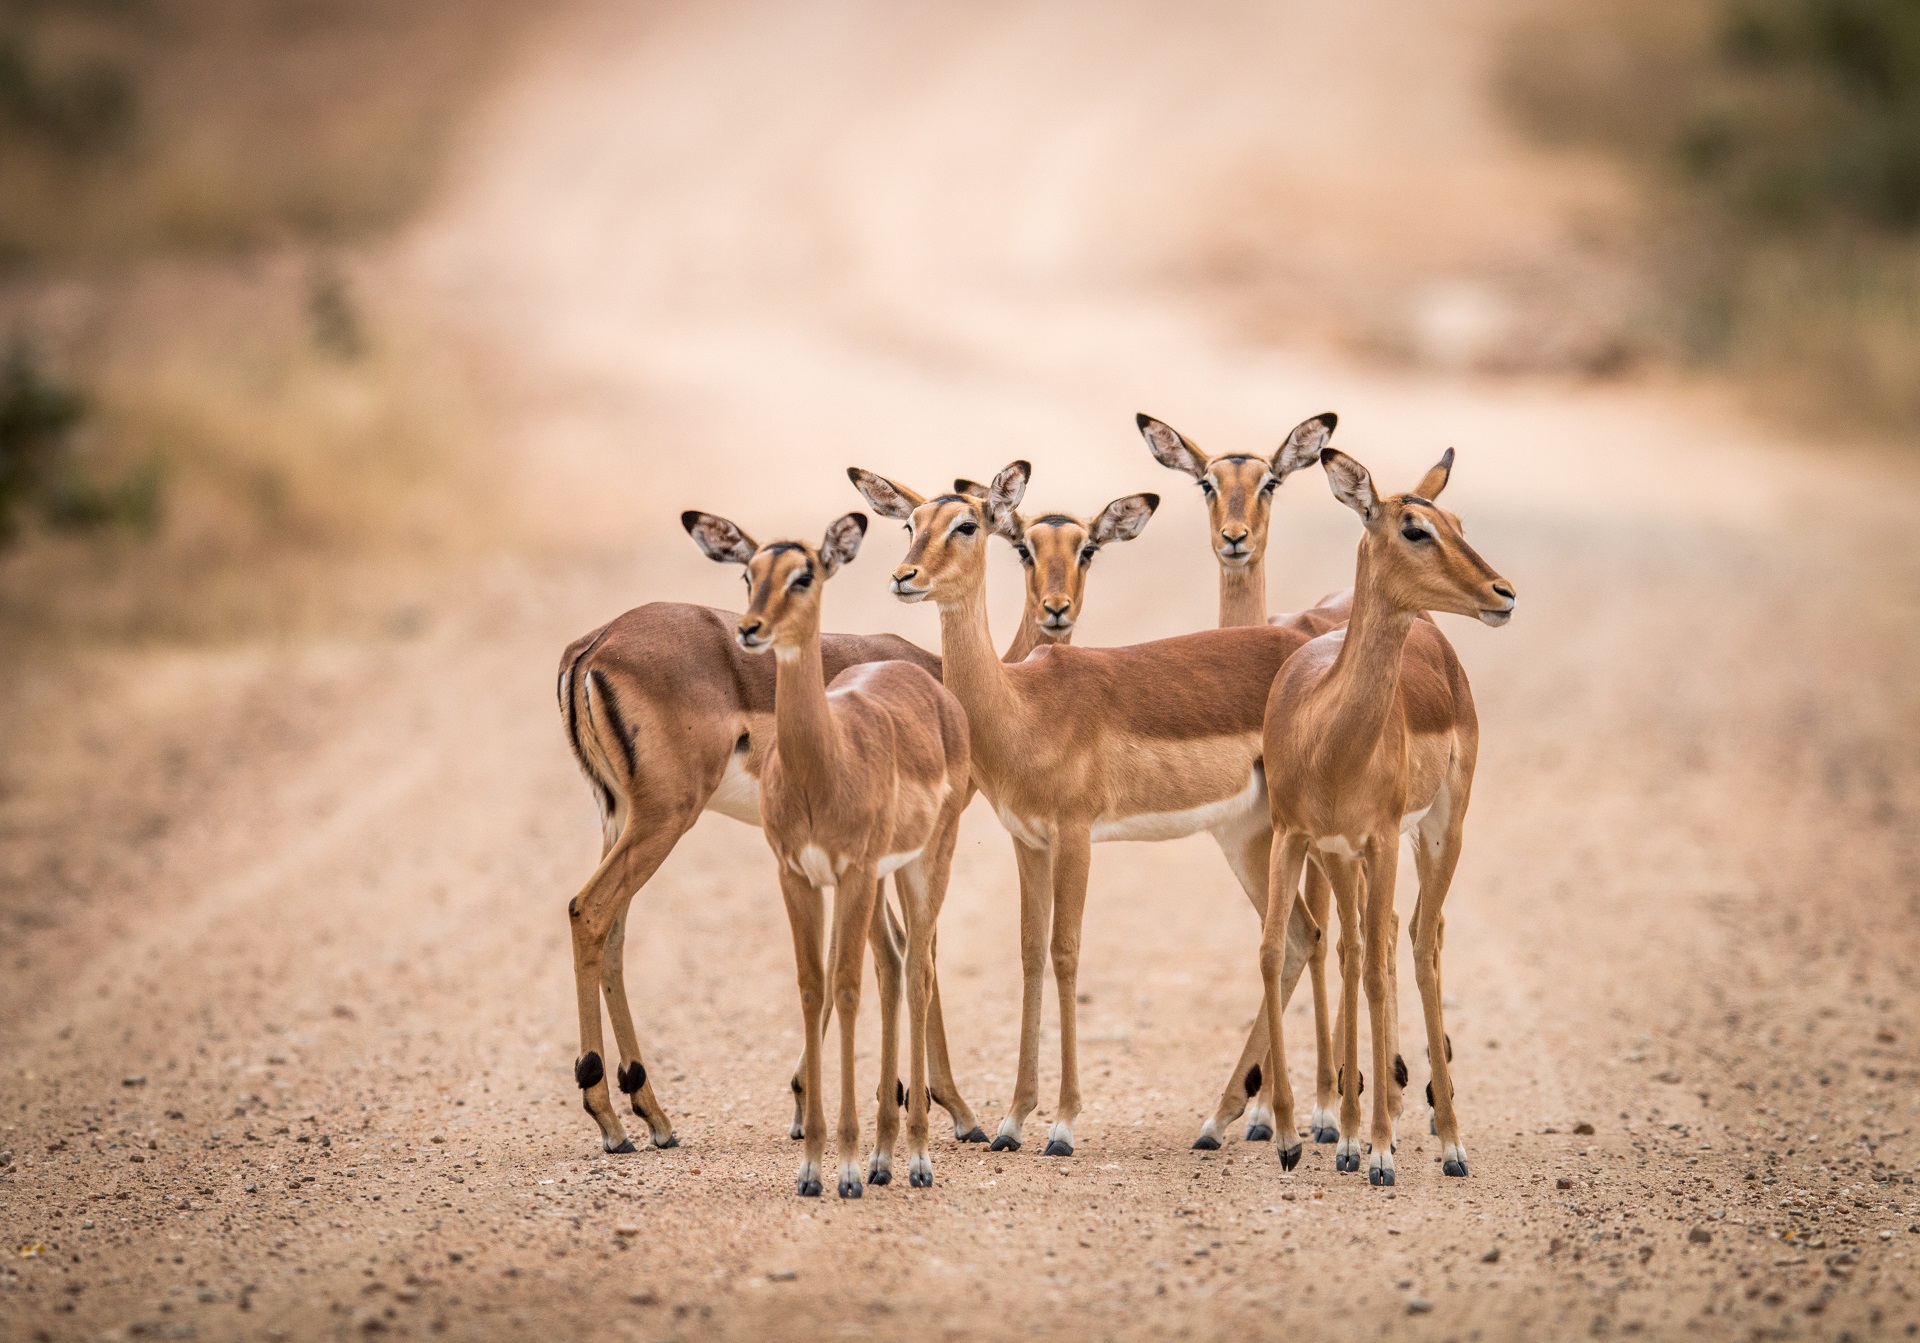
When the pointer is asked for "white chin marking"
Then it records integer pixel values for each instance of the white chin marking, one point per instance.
(1495, 618)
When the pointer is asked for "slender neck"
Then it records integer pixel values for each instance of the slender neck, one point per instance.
(1361, 684)
(968, 666)
(1031, 633)
(803, 725)
(1243, 594)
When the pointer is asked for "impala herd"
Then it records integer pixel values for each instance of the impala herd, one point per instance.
(1306, 744)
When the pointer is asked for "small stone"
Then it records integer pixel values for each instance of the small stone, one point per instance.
(782, 1275)
(1700, 1235)
(1491, 1256)
(1419, 1306)
(135, 1080)
(1670, 1077)
(1583, 1128)
(626, 1229)
(1563, 1183)
(646, 1298)
(1886, 1235)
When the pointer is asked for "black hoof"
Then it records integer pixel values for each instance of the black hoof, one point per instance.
(1346, 1163)
(626, 1146)
(1453, 1168)
(1379, 1176)
(1005, 1144)
(1289, 1157)
(673, 1140)
(1058, 1148)
(1259, 1133)
(1326, 1135)
(975, 1134)
(1206, 1142)
(878, 1177)
(796, 1133)
(809, 1189)
(919, 1181)
(851, 1189)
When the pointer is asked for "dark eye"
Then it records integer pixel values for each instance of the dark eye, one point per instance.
(1086, 556)
(1206, 488)
(1026, 556)
(966, 529)
(1416, 534)
(1270, 486)
(800, 584)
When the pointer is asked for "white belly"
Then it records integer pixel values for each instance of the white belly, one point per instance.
(1229, 812)
(738, 795)
(893, 862)
(1337, 844)
(1029, 833)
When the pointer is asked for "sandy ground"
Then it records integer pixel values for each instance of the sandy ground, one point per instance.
(287, 1000)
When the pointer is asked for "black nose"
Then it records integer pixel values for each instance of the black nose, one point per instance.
(1502, 590)
(906, 574)
(749, 627)
(1234, 538)
(1055, 608)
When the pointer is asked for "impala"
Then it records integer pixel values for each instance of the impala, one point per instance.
(1370, 732)
(1078, 745)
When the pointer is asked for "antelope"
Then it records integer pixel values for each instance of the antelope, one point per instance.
(1239, 490)
(867, 777)
(1370, 733)
(668, 718)
(1075, 746)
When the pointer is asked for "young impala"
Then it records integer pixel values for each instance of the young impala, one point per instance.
(1078, 745)
(1369, 733)
(867, 777)
(668, 718)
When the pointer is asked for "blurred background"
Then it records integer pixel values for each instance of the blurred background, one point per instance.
(357, 354)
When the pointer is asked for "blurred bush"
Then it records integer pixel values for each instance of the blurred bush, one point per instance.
(40, 469)
(1782, 140)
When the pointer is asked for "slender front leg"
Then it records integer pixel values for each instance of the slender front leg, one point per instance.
(889, 965)
(1036, 911)
(1072, 854)
(941, 1083)
(1319, 901)
(806, 915)
(826, 1017)
(852, 914)
(1344, 874)
(1382, 862)
(1284, 880)
(1437, 853)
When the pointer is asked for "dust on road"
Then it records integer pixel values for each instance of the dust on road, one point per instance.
(309, 1075)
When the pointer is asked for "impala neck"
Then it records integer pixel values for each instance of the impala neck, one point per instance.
(802, 724)
(1243, 594)
(968, 666)
(1366, 673)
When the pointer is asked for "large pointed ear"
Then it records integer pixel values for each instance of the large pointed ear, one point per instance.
(1123, 519)
(717, 538)
(1436, 480)
(1170, 447)
(842, 542)
(1005, 494)
(1352, 485)
(888, 499)
(1303, 445)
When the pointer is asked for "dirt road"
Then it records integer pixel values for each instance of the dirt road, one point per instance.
(291, 1057)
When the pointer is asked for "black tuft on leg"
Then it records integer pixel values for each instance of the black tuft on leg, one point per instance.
(1399, 1071)
(632, 1076)
(588, 1071)
(1253, 1080)
(1449, 1043)
(795, 1086)
(899, 1093)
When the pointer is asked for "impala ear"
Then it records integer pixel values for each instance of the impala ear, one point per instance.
(718, 539)
(1170, 447)
(1352, 485)
(888, 499)
(1123, 519)
(1436, 480)
(1005, 494)
(1303, 445)
(973, 489)
(842, 542)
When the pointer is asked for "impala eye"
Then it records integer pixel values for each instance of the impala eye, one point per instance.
(966, 529)
(1086, 556)
(1416, 534)
(1206, 488)
(1270, 486)
(1026, 556)
(802, 583)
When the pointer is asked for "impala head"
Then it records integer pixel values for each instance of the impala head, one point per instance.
(1414, 548)
(783, 578)
(1238, 488)
(1056, 551)
(947, 557)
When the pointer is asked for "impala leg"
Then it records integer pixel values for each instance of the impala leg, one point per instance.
(945, 1090)
(1344, 875)
(1036, 911)
(1381, 862)
(806, 916)
(1324, 1122)
(1436, 854)
(632, 1073)
(889, 967)
(923, 892)
(1072, 855)
(853, 902)
(1250, 858)
(592, 916)
(799, 1084)
(1287, 860)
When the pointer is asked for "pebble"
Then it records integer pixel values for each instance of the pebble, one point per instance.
(1583, 1127)
(1700, 1235)
(1419, 1306)
(782, 1275)
(1491, 1256)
